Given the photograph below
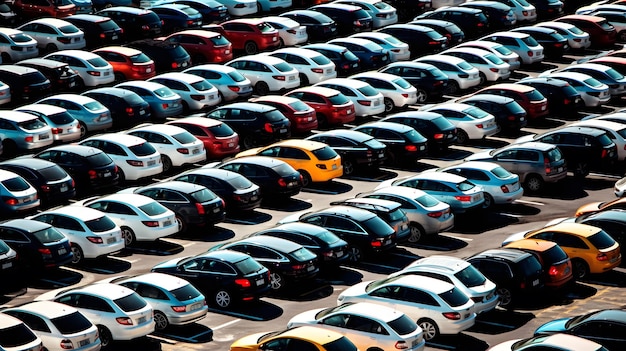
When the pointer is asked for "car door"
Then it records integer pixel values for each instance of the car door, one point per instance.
(605, 332)
(296, 158)
(20, 243)
(347, 230)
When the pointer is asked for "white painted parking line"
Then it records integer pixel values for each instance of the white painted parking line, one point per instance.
(460, 238)
(496, 324)
(240, 221)
(441, 346)
(529, 202)
(365, 179)
(377, 265)
(235, 314)
(189, 244)
(319, 191)
(610, 176)
(401, 255)
(165, 340)
(134, 261)
(226, 324)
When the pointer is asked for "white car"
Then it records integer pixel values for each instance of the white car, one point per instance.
(592, 92)
(459, 272)
(313, 66)
(435, 4)
(64, 126)
(397, 92)
(491, 67)
(92, 69)
(119, 313)
(606, 74)
(559, 341)
(25, 339)
(368, 326)
(382, 13)
(231, 84)
(196, 92)
(367, 101)
(240, 8)
(615, 131)
(524, 11)
(267, 74)
(462, 75)
(398, 50)
(576, 38)
(497, 49)
(16, 45)
(18, 195)
(471, 122)
(177, 146)
(588, 10)
(92, 233)
(291, 32)
(620, 188)
(135, 158)
(54, 34)
(59, 326)
(438, 307)
(139, 217)
(5, 93)
(524, 45)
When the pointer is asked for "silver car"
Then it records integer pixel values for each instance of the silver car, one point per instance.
(17, 194)
(23, 131)
(64, 126)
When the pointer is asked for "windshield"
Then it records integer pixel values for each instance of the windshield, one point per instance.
(470, 277)
(153, 208)
(130, 303)
(325, 153)
(15, 184)
(203, 195)
(184, 138)
(143, 149)
(101, 224)
(454, 297)
(49, 235)
(71, 323)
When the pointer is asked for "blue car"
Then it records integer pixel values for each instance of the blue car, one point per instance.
(163, 101)
(372, 55)
(91, 114)
(231, 84)
(176, 17)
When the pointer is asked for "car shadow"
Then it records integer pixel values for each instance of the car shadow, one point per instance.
(332, 187)
(377, 175)
(52, 279)
(540, 67)
(104, 265)
(453, 154)
(309, 290)
(610, 278)
(478, 222)
(193, 333)
(498, 321)
(259, 311)
(439, 242)
(487, 143)
(340, 275)
(459, 341)
(157, 248)
(286, 205)
(566, 189)
(210, 234)
(144, 343)
(545, 123)
(249, 218)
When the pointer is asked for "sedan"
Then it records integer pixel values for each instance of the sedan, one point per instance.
(65, 128)
(593, 92)
(175, 17)
(127, 108)
(17, 46)
(576, 38)
(501, 51)
(54, 34)
(398, 50)
(319, 27)
(306, 337)
(535, 104)
(346, 62)
(605, 74)
(462, 75)
(430, 81)
(291, 32)
(491, 67)
(554, 44)
(128, 63)
(332, 108)
(404, 144)
(471, 122)
(551, 342)
(203, 45)
(370, 54)
(303, 117)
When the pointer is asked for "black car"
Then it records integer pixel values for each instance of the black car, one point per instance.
(510, 116)
(38, 245)
(583, 148)
(319, 27)
(370, 54)
(554, 44)
(26, 83)
(500, 16)
(239, 193)
(350, 19)
(440, 132)
(613, 222)
(137, 23)
(517, 274)
(329, 248)
(562, 97)
(451, 31)
(404, 144)
(53, 184)
(225, 277)
(357, 150)
(193, 204)
(8, 17)
(62, 78)
(277, 179)
(548, 8)
(364, 231)
(429, 80)
(346, 62)
(127, 108)
(10, 273)
(256, 124)
(389, 211)
(90, 168)
(472, 22)
(176, 17)
(422, 40)
(211, 10)
(99, 30)
(167, 56)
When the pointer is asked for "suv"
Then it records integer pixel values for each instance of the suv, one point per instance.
(472, 22)
(26, 83)
(429, 80)
(562, 97)
(349, 18)
(357, 150)
(510, 116)
(440, 132)
(535, 163)
(515, 272)
(251, 35)
(389, 211)
(44, 8)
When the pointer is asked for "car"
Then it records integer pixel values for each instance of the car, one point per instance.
(365, 232)
(167, 56)
(329, 248)
(98, 29)
(524, 11)
(561, 95)
(346, 62)
(9, 17)
(193, 204)
(37, 9)
(332, 108)
(601, 32)
(427, 215)
(557, 266)
(497, 49)
(386, 326)
(107, 305)
(605, 74)
(600, 326)
(608, 6)
(510, 116)
(19, 197)
(23, 131)
(137, 23)
(617, 20)
(90, 168)
(472, 22)
(231, 84)
(316, 162)
(382, 13)
(613, 131)
(551, 342)
(614, 61)
(64, 126)
(306, 337)
(175, 17)
(441, 308)
(17, 46)
(39, 245)
(65, 36)
(499, 185)
(92, 116)
(291, 33)
(127, 63)
(370, 54)
(404, 144)
(319, 27)
(267, 73)
(420, 39)
(349, 18)
(592, 92)
(440, 132)
(60, 75)
(367, 100)
(451, 31)
(471, 122)
(491, 68)
(610, 220)
(18, 335)
(397, 49)
(250, 35)
(57, 325)
(25, 83)
(389, 211)
(430, 81)
(531, 100)
(212, 11)
(303, 117)
(593, 207)
(134, 157)
(196, 93)
(203, 46)
(237, 191)
(576, 38)
(127, 108)
(52, 183)
(397, 92)
(92, 69)
(461, 74)
(357, 150)
(162, 100)
(99, 4)
(240, 7)
(590, 248)
(91, 232)
(219, 139)
(499, 13)
(139, 218)
(312, 66)
(524, 45)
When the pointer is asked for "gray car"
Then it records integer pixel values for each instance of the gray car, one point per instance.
(23, 131)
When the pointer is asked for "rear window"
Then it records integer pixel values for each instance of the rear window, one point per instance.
(71, 323)
(248, 266)
(19, 335)
(558, 37)
(53, 173)
(4, 248)
(368, 91)
(284, 169)
(438, 74)
(475, 112)
(601, 240)
(530, 265)
(402, 83)
(101, 224)
(465, 66)
(49, 235)
(534, 95)
(338, 99)
(568, 90)
(373, 143)
(515, 108)
(219, 40)
(94, 106)
(371, 46)
(61, 118)
(189, 11)
(20, 37)
(140, 58)
(299, 106)
(325, 153)
(427, 200)
(604, 140)
(98, 62)
(573, 29)
(302, 254)
(494, 59)
(382, 6)
(523, 2)
(221, 130)
(501, 173)
(203, 195)
(153, 208)
(361, 14)
(32, 124)
(503, 50)
(554, 155)
(614, 74)
(184, 137)
(606, 25)
(15, 184)
(443, 123)
(403, 325)
(186, 292)
(470, 277)
(321, 60)
(149, 17)
(108, 25)
(465, 185)
(240, 182)
(133, 99)
(130, 303)
(555, 255)
(202, 85)
(274, 116)
(34, 78)
(99, 159)
(164, 92)
(530, 41)
(592, 82)
(433, 35)
(454, 297)
(414, 136)
(396, 215)
(265, 27)
(341, 344)
(378, 227)
(236, 76)
(69, 29)
(348, 55)
(179, 52)
(283, 67)
(143, 149)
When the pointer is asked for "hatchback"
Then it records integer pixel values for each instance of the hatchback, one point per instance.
(18, 336)
(422, 40)
(127, 63)
(54, 34)
(241, 7)
(219, 139)
(60, 75)
(162, 100)
(610, 220)
(291, 33)
(576, 38)
(18, 196)
(98, 29)
(137, 23)
(370, 54)
(501, 51)
(440, 132)
(53, 184)
(592, 92)
(522, 44)
(430, 81)
(389, 211)
(91, 114)
(46, 8)
(367, 100)
(64, 126)
(461, 74)
(604, 74)
(312, 66)
(330, 105)
(319, 27)
(346, 62)
(302, 116)
(510, 116)
(491, 68)
(306, 337)
(231, 84)
(449, 30)
(25, 83)
(398, 93)
(524, 11)
(472, 22)
(397, 49)
(561, 95)
(501, 15)
(614, 131)
(127, 108)
(17, 46)
(23, 131)
(196, 93)
(404, 144)
(267, 73)
(175, 17)
(92, 69)
(531, 100)
(471, 122)
(203, 46)
(601, 32)
(382, 13)
(557, 266)
(617, 19)
(554, 342)
(167, 56)
(212, 11)
(349, 18)
(251, 35)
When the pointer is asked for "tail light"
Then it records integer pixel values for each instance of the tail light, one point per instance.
(477, 299)
(66, 344)
(45, 188)
(357, 23)
(437, 83)
(558, 45)
(298, 267)
(495, 70)
(364, 102)
(410, 148)
(553, 271)
(511, 118)
(381, 15)
(480, 126)
(130, 111)
(282, 182)
(174, 65)
(162, 22)
(197, 97)
(480, 24)
(435, 214)
(578, 40)
(282, 78)
(189, 22)
(64, 40)
(530, 54)
(92, 174)
(57, 130)
(11, 201)
(29, 139)
(26, 89)
(102, 35)
(239, 6)
(405, 95)
(124, 320)
(183, 150)
(135, 163)
(244, 283)
(165, 106)
(602, 257)
(504, 188)
(546, 166)
(291, 31)
(567, 101)
(151, 224)
(321, 166)
(45, 252)
(94, 73)
(433, 43)
(438, 136)
(463, 75)
(179, 309)
(234, 88)
(377, 242)
(95, 239)
(317, 70)
(200, 209)
(463, 198)
(401, 345)
(605, 153)
(145, 27)
(455, 316)
(268, 128)
(345, 66)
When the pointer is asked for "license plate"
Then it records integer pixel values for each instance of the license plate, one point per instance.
(43, 136)
(292, 184)
(329, 70)
(310, 268)
(110, 240)
(381, 155)
(83, 342)
(216, 210)
(167, 223)
(283, 130)
(274, 38)
(195, 151)
(114, 37)
(334, 166)
(292, 77)
(355, 65)
(141, 320)
(614, 259)
(254, 198)
(422, 148)
(387, 242)
(226, 52)
(63, 188)
(62, 251)
(339, 253)
(195, 306)
(185, 64)
(535, 282)
(106, 73)
(7, 265)
(560, 169)
(333, 29)
(348, 111)
(106, 174)
(260, 282)
(151, 163)
(543, 108)
(376, 103)
(231, 144)
(142, 112)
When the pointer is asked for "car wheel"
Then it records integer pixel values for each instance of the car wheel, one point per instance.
(121, 174)
(167, 163)
(182, 226)
(6, 58)
(51, 48)
(348, 167)
(83, 129)
(453, 87)
(389, 105)
(78, 254)
(581, 170)
(223, 299)
(248, 142)
(488, 201)
(306, 178)
(160, 320)
(119, 77)
(355, 254)
(277, 281)
(262, 88)
(417, 232)
(128, 235)
(105, 336)
(483, 78)
(461, 136)
(580, 267)
(281, 43)
(505, 295)
(533, 183)
(250, 48)
(9, 148)
(185, 107)
(422, 96)
(429, 327)
(322, 121)
(622, 36)
(304, 80)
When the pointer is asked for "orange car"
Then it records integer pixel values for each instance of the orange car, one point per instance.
(556, 264)
(617, 204)
(128, 63)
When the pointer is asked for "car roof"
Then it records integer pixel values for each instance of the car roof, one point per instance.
(600, 124)
(52, 21)
(279, 244)
(452, 106)
(317, 90)
(81, 150)
(591, 65)
(572, 75)
(518, 35)
(298, 51)
(122, 50)
(119, 92)
(347, 133)
(38, 61)
(442, 58)
(572, 342)
(81, 54)
(612, 215)
(425, 115)
(326, 46)
(531, 145)
(16, 116)
(610, 315)
(531, 244)
(578, 229)
(512, 255)
(345, 7)
(197, 120)
(409, 26)
(142, 83)
(583, 17)
(165, 281)
(286, 100)
(107, 290)
(353, 40)
(79, 212)
(127, 9)
(309, 145)
(214, 172)
(546, 80)
(484, 165)
(249, 106)
(578, 130)
(438, 176)
(386, 204)
(10, 31)
(510, 86)
(376, 75)
(134, 199)
(389, 125)
(163, 129)
(539, 29)
(370, 310)
(401, 191)
(265, 161)
(294, 227)
(180, 76)
(352, 212)
(30, 163)
(213, 67)
(7, 321)
(4, 175)
(441, 263)
(469, 50)
(42, 108)
(28, 225)
(555, 24)
(47, 309)
(18, 69)
(251, 21)
(488, 97)
(317, 335)
(223, 255)
(175, 185)
(347, 82)
(429, 284)
(88, 17)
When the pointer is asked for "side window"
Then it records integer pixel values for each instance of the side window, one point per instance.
(113, 149)
(66, 223)
(336, 321)
(497, 271)
(317, 220)
(293, 153)
(150, 292)
(261, 252)
(568, 240)
(173, 196)
(12, 235)
(118, 208)
(365, 325)
(342, 224)
(35, 323)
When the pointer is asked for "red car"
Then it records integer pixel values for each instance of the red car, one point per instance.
(601, 32)
(331, 106)
(203, 46)
(531, 100)
(219, 139)
(128, 63)
(302, 116)
(44, 8)
(250, 35)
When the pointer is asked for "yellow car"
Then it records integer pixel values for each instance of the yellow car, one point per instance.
(315, 161)
(306, 338)
(617, 204)
(590, 248)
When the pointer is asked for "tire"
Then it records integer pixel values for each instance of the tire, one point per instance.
(417, 233)
(119, 77)
(488, 201)
(348, 167)
(581, 268)
(9, 148)
(422, 96)
(429, 327)
(621, 36)
(355, 254)
(105, 336)
(122, 174)
(304, 80)
(223, 299)
(262, 88)
(128, 235)
(453, 87)
(182, 226)
(51, 48)
(6, 58)
(581, 170)
(79, 256)
(248, 142)
(160, 320)
(533, 183)
(281, 43)
(506, 296)
(250, 48)
(277, 281)
(483, 78)
(306, 178)
(322, 121)
(389, 105)
(185, 107)
(167, 163)
(83, 129)
(461, 136)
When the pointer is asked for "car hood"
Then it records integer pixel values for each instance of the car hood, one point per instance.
(483, 155)
(292, 217)
(514, 237)
(505, 346)
(555, 326)
(304, 318)
(247, 342)
(353, 293)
